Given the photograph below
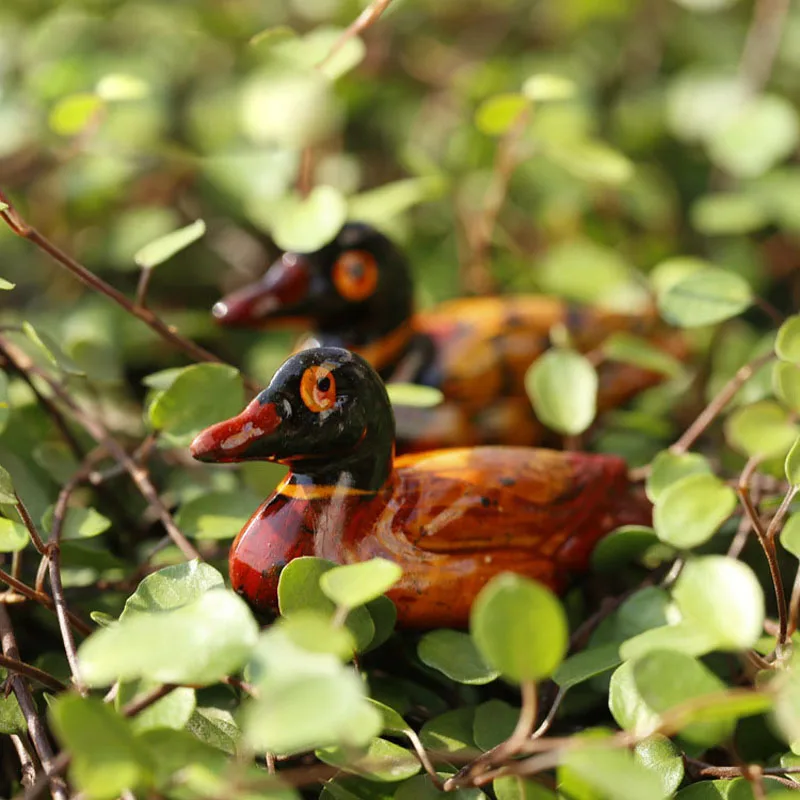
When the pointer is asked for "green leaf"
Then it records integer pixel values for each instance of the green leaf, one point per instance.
(515, 788)
(79, 523)
(790, 534)
(728, 213)
(6, 286)
(175, 753)
(787, 342)
(384, 617)
(454, 654)
(681, 637)
(12, 720)
(762, 429)
(314, 632)
(356, 584)
(662, 757)
(450, 733)
(544, 87)
(636, 350)
(412, 394)
(51, 350)
(7, 494)
(668, 468)
(626, 704)
(299, 590)
(214, 727)
(392, 721)
(591, 160)
(74, 113)
(494, 722)
(119, 87)
(612, 772)
(172, 587)
(666, 679)
(420, 787)
(787, 705)
(704, 297)
(519, 627)
(621, 547)
(497, 114)
(562, 386)
(792, 465)
(383, 761)
(165, 247)
(201, 395)
(763, 133)
(216, 515)
(197, 643)
(306, 224)
(106, 757)
(586, 664)
(383, 204)
(786, 384)
(13, 536)
(689, 511)
(722, 597)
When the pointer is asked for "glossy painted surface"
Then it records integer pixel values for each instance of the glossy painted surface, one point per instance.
(356, 293)
(452, 518)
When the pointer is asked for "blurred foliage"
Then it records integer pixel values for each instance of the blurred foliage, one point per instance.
(653, 155)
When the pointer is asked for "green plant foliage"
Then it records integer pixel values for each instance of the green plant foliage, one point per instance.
(704, 297)
(199, 396)
(196, 643)
(582, 666)
(13, 536)
(356, 584)
(519, 628)
(763, 429)
(7, 494)
(494, 722)
(786, 384)
(690, 510)
(79, 523)
(790, 534)
(323, 212)
(787, 342)
(621, 546)
(662, 756)
(382, 761)
(668, 468)
(163, 248)
(216, 515)
(792, 465)
(562, 386)
(455, 654)
(410, 394)
(51, 351)
(638, 351)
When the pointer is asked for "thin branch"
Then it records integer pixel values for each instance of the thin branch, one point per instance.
(25, 760)
(19, 226)
(139, 704)
(44, 600)
(57, 767)
(27, 520)
(422, 755)
(767, 543)
(98, 432)
(34, 673)
(36, 729)
(718, 403)
(366, 19)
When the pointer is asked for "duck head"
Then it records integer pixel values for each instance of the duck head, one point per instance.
(358, 281)
(325, 414)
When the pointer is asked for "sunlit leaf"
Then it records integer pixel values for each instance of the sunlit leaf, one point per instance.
(586, 664)
(307, 223)
(164, 248)
(454, 654)
(7, 494)
(729, 213)
(786, 384)
(787, 342)
(790, 534)
(668, 468)
(412, 394)
(383, 761)
(13, 536)
(216, 515)
(704, 297)
(496, 115)
(544, 87)
(762, 429)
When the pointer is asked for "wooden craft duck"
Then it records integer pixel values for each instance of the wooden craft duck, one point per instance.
(451, 518)
(357, 292)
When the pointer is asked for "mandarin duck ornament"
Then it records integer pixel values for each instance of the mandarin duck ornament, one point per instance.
(357, 292)
(452, 519)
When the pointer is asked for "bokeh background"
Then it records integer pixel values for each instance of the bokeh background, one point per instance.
(655, 130)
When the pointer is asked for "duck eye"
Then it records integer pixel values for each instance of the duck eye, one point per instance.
(318, 389)
(355, 275)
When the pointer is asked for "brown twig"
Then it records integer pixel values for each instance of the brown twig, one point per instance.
(36, 729)
(98, 432)
(767, 543)
(19, 226)
(718, 403)
(43, 599)
(25, 760)
(27, 521)
(34, 673)
(139, 704)
(366, 19)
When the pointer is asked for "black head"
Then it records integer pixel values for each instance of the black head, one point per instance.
(358, 278)
(325, 412)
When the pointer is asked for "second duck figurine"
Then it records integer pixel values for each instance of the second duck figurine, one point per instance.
(357, 292)
(452, 519)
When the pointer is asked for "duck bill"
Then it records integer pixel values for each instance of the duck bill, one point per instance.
(280, 297)
(249, 436)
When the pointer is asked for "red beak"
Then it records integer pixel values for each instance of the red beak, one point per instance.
(243, 437)
(275, 296)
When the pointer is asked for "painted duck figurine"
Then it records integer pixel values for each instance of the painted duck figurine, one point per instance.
(357, 292)
(451, 518)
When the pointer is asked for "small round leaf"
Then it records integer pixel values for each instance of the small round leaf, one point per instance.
(704, 297)
(356, 584)
(519, 627)
(790, 535)
(761, 429)
(787, 342)
(668, 468)
(454, 654)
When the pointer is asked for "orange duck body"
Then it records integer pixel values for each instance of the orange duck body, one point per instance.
(452, 519)
(357, 293)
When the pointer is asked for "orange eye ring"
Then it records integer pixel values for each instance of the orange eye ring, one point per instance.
(318, 389)
(355, 275)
